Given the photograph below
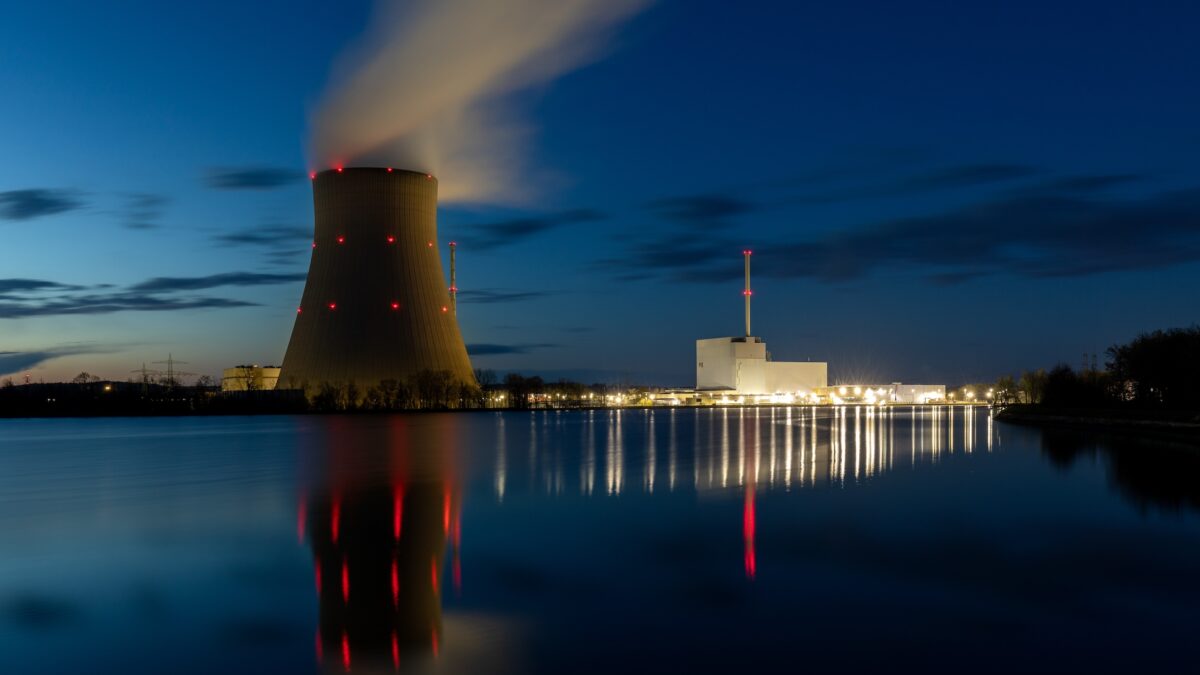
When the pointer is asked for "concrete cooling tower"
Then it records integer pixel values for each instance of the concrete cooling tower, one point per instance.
(375, 304)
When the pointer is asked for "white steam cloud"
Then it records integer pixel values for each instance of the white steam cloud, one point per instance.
(425, 89)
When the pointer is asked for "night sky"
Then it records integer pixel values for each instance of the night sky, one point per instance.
(934, 191)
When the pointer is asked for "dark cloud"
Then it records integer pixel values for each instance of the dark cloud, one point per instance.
(483, 349)
(493, 296)
(968, 175)
(1033, 233)
(109, 303)
(949, 178)
(32, 298)
(170, 284)
(13, 362)
(8, 286)
(514, 231)
(40, 612)
(285, 258)
(1094, 183)
(251, 178)
(36, 202)
(266, 236)
(674, 256)
(708, 211)
(143, 210)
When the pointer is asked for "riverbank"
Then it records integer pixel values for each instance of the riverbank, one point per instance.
(1184, 424)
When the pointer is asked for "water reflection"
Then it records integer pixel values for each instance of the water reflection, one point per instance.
(379, 520)
(741, 447)
(598, 541)
(1152, 473)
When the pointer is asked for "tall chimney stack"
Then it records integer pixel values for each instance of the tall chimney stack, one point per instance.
(747, 292)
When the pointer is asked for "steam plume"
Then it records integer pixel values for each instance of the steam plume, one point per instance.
(425, 88)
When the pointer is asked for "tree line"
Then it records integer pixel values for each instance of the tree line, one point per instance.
(1157, 370)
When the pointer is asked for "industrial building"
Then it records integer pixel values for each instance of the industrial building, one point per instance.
(249, 378)
(740, 366)
(375, 304)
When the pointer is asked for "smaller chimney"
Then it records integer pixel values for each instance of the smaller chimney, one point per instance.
(453, 281)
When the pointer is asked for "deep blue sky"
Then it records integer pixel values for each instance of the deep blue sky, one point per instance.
(935, 191)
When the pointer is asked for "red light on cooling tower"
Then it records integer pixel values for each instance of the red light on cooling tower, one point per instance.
(312, 176)
(339, 169)
(299, 309)
(391, 239)
(341, 239)
(333, 305)
(389, 169)
(395, 305)
(429, 244)
(314, 244)
(445, 309)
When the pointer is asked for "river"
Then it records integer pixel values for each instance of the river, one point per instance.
(728, 540)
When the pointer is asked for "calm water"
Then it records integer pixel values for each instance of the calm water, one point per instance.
(716, 540)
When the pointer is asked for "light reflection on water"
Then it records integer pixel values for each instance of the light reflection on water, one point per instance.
(733, 447)
(846, 539)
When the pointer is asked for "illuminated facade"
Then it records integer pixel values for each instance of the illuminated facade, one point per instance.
(738, 366)
(375, 305)
(249, 378)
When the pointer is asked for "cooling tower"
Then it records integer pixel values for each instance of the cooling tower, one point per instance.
(375, 304)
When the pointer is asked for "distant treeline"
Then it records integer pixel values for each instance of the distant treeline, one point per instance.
(1156, 371)
(88, 395)
(439, 390)
(106, 398)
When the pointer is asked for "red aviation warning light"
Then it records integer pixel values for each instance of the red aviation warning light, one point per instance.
(341, 239)
(391, 239)
(395, 305)
(332, 305)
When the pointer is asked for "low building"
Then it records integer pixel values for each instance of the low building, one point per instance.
(249, 378)
(738, 366)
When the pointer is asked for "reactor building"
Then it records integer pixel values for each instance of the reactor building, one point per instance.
(375, 304)
(739, 366)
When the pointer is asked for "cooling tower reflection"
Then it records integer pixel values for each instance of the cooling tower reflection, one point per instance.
(379, 521)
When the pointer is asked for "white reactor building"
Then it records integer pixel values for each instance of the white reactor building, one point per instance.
(739, 366)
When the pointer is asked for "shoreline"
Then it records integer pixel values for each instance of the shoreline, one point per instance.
(1177, 424)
